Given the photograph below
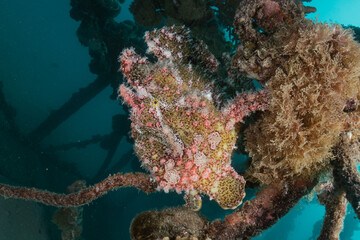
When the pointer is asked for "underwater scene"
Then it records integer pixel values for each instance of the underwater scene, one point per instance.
(179, 119)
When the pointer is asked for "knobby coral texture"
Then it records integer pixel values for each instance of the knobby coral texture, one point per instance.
(181, 137)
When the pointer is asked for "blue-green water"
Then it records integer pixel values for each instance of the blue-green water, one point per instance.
(42, 63)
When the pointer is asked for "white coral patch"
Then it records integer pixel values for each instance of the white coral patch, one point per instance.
(169, 165)
(167, 54)
(200, 159)
(207, 94)
(214, 139)
(198, 139)
(172, 176)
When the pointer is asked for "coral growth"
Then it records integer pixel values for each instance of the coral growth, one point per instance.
(180, 135)
(179, 223)
(150, 13)
(198, 15)
(69, 220)
(312, 71)
(335, 204)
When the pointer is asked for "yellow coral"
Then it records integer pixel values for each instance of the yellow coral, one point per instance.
(227, 192)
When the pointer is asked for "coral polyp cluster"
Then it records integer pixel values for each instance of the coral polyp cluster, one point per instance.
(181, 137)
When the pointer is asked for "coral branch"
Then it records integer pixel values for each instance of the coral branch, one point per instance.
(261, 212)
(139, 180)
(246, 103)
(335, 205)
(346, 174)
(69, 220)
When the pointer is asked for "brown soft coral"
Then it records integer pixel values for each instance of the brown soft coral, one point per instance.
(314, 71)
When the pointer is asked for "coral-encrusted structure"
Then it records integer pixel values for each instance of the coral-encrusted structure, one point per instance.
(166, 224)
(185, 133)
(180, 135)
(69, 220)
(312, 71)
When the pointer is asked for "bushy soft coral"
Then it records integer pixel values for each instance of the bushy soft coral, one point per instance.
(181, 137)
(312, 71)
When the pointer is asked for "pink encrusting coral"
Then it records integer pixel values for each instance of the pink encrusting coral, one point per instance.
(271, 8)
(180, 136)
